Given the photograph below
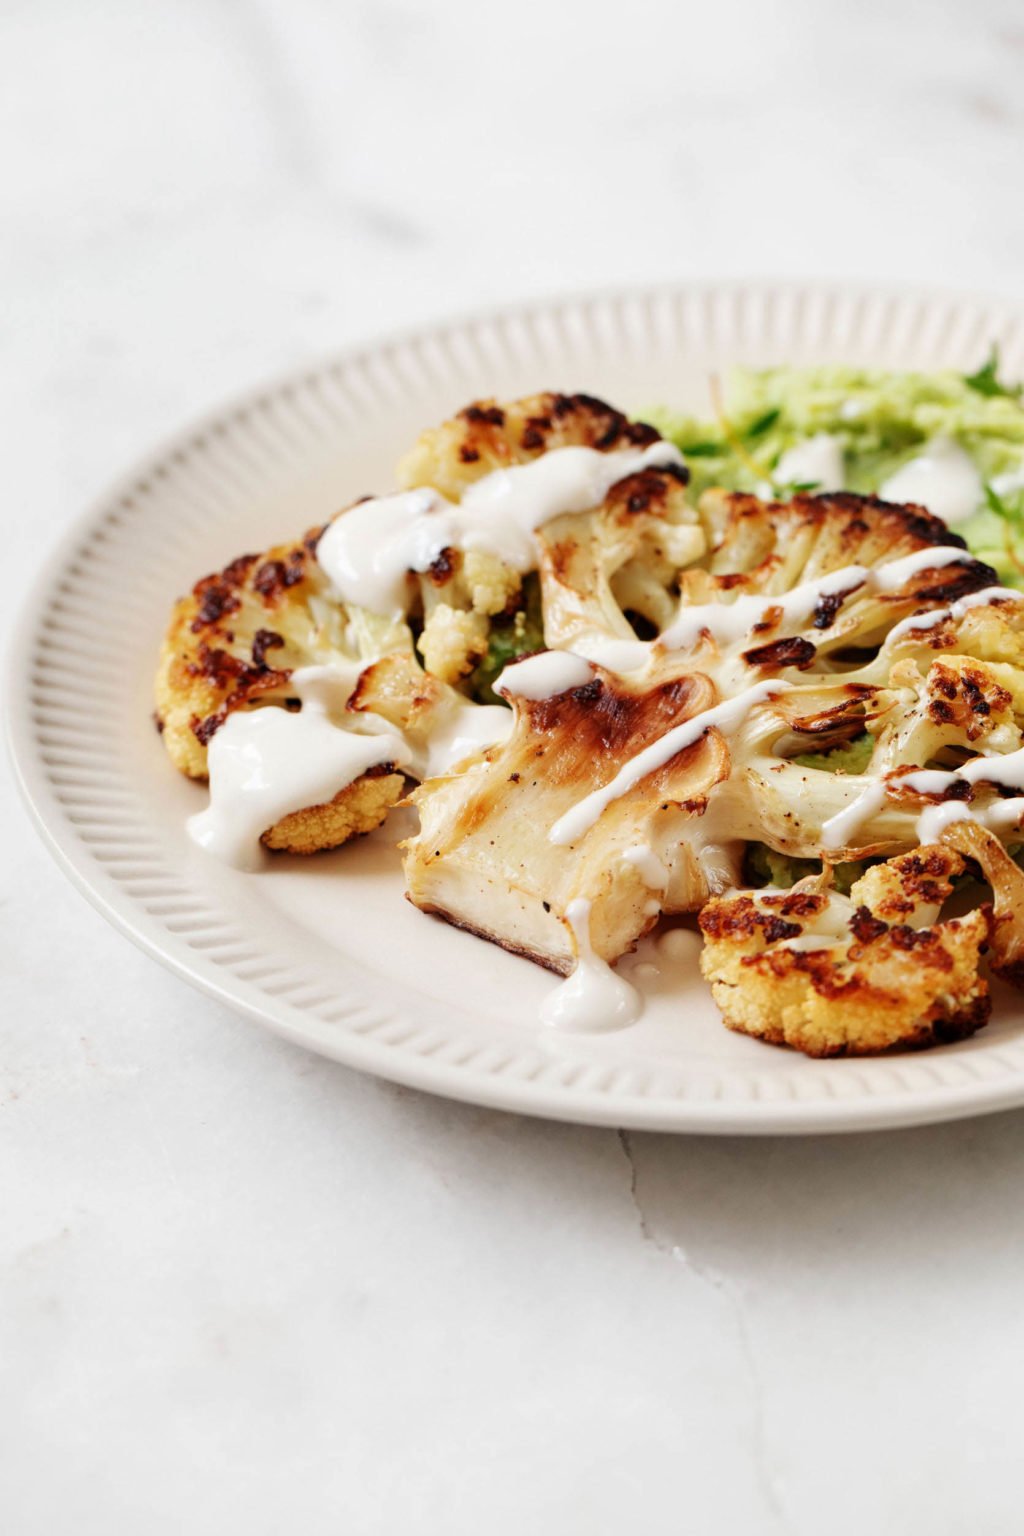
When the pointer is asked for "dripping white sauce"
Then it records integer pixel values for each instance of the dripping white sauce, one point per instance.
(368, 552)
(725, 717)
(1005, 770)
(839, 830)
(943, 478)
(593, 997)
(501, 511)
(817, 461)
(928, 781)
(266, 763)
(1000, 816)
(1003, 815)
(934, 820)
(544, 676)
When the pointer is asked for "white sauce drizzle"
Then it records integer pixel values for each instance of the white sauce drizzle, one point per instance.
(934, 820)
(501, 511)
(1002, 815)
(731, 622)
(593, 997)
(615, 654)
(725, 717)
(266, 763)
(544, 676)
(1005, 771)
(928, 781)
(958, 610)
(368, 552)
(894, 574)
(943, 478)
(838, 831)
(817, 461)
(652, 870)
(464, 730)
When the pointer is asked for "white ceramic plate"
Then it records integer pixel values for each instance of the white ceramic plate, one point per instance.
(326, 951)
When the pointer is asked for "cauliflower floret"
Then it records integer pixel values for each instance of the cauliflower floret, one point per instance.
(359, 808)
(487, 435)
(961, 703)
(600, 571)
(833, 976)
(452, 642)
(639, 524)
(492, 586)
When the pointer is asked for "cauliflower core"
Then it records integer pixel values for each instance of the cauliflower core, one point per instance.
(837, 976)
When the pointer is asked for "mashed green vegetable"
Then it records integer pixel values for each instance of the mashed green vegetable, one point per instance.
(511, 636)
(881, 421)
(763, 866)
(852, 758)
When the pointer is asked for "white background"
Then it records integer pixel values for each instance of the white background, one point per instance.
(242, 1289)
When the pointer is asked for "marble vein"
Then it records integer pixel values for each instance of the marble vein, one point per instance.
(731, 1294)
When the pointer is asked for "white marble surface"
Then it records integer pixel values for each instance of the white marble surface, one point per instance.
(243, 1290)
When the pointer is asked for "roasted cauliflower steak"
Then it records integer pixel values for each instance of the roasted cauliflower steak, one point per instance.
(243, 632)
(492, 853)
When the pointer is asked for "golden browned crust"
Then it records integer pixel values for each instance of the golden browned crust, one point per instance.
(878, 984)
(756, 542)
(236, 636)
(894, 891)
(487, 435)
(965, 695)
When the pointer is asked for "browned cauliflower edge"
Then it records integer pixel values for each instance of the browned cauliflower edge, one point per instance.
(354, 811)
(836, 976)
